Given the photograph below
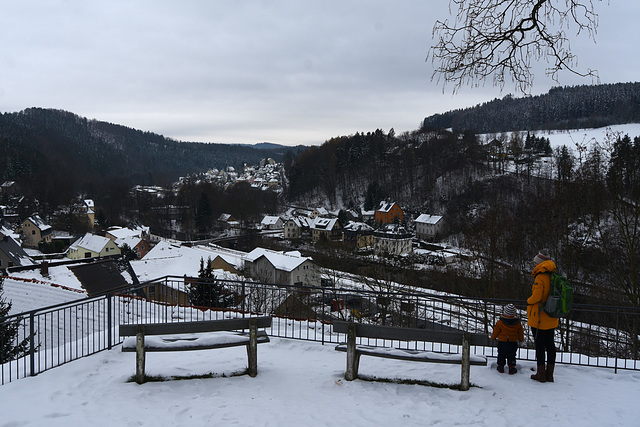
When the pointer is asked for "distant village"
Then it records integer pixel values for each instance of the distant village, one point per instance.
(384, 231)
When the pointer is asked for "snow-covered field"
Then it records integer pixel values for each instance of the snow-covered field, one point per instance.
(570, 138)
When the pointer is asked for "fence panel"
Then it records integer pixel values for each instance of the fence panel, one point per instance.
(599, 336)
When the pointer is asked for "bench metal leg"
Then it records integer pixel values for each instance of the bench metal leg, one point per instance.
(353, 358)
(252, 348)
(140, 354)
(466, 361)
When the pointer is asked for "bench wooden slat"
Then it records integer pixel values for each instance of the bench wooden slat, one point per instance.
(194, 327)
(203, 342)
(414, 355)
(450, 336)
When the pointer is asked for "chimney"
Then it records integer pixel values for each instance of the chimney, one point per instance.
(44, 268)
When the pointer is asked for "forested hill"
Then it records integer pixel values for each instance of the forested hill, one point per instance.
(561, 108)
(57, 151)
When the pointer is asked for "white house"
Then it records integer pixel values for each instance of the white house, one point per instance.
(285, 268)
(392, 239)
(270, 222)
(92, 246)
(428, 227)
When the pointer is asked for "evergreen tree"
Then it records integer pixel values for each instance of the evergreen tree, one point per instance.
(207, 292)
(203, 213)
(10, 345)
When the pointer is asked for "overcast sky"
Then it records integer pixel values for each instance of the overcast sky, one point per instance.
(289, 72)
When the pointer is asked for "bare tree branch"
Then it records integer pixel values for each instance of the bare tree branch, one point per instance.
(503, 38)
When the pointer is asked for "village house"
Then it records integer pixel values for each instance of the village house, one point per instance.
(85, 211)
(292, 229)
(11, 253)
(319, 212)
(392, 239)
(270, 222)
(136, 239)
(34, 230)
(327, 228)
(227, 221)
(8, 188)
(388, 213)
(429, 227)
(285, 268)
(359, 234)
(92, 246)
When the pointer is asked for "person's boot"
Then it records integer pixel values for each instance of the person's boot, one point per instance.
(512, 369)
(541, 375)
(501, 369)
(549, 372)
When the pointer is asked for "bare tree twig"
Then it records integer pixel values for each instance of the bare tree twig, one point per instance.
(499, 39)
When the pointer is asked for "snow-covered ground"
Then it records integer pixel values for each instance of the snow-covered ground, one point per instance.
(570, 138)
(301, 383)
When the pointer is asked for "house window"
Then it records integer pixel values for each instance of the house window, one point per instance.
(33, 232)
(87, 254)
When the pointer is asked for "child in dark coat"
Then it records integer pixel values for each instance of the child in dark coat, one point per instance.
(508, 331)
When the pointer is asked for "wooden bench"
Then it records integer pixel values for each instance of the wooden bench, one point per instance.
(182, 336)
(455, 337)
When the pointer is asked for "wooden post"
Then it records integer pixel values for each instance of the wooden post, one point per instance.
(466, 360)
(353, 358)
(140, 354)
(252, 348)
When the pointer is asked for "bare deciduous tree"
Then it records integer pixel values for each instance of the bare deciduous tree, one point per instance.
(501, 38)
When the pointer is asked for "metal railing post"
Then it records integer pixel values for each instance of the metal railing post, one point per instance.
(323, 311)
(243, 298)
(32, 347)
(109, 322)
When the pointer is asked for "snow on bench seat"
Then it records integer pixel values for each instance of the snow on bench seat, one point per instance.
(414, 355)
(185, 342)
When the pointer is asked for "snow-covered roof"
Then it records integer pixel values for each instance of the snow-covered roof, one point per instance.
(90, 242)
(323, 223)
(131, 241)
(124, 232)
(428, 219)
(394, 231)
(322, 211)
(39, 222)
(14, 251)
(358, 226)
(270, 220)
(285, 261)
(386, 206)
(169, 259)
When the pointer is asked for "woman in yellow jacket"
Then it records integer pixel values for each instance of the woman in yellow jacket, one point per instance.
(542, 325)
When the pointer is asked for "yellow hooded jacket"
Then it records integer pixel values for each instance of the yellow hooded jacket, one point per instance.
(540, 289)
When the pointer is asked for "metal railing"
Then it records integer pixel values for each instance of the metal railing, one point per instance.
(601, 336)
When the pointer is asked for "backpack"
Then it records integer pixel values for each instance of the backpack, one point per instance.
(560, 296)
